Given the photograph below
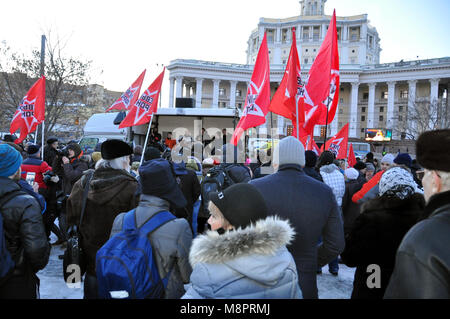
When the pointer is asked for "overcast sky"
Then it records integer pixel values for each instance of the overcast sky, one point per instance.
(124, 37)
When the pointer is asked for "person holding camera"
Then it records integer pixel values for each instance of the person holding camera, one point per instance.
(73, 166)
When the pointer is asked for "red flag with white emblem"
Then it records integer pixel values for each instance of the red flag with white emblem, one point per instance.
(141, 111)
(338, 143)
(129, 97)
(322, 90)
(258, 95)
(30, 112)
(351, 157)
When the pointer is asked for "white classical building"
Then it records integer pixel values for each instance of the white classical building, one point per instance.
(372, 95)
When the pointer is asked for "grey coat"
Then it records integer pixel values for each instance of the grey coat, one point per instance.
(250, 263)
(171, 243)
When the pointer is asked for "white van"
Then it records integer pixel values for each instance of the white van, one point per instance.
(99, 128)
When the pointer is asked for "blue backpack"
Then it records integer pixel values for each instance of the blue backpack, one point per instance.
(6, 262)
(126, 266)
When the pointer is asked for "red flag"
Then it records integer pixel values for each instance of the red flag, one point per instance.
(312, 146)
(258, 95)
(129, 97)
(141, 111)
(351, 157)
(322, 89)
(338, 143)
(30, 112)
(289, 93)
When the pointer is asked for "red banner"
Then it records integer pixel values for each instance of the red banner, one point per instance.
(31, 111)
(338, 143)
(258, 95)
(141, 111)
(129, 97)
(351, 157)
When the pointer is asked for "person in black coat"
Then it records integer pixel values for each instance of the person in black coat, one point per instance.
(378, 231)
(350, 210)
(51, 150)
(24, 230)
(311, 208)
(310, 164)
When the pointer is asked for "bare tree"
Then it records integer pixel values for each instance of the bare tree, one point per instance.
(421, 116)
(66, 82)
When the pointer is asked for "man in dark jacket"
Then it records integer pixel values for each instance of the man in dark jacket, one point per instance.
(292, 194)
(310, 164)
(23, 228)
(51, 150)
(422, 264)
(350, 210)
(237, 171)
(112, 191)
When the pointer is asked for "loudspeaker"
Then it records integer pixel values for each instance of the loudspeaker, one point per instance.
(184, 102)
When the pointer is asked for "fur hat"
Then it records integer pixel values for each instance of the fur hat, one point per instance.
(96, 156)
(433, 150)
(75, 148)
(403, 159)
(241, 204)
(112, 149)
(51, 140)
(10, 160)
(359, 165)
(289, 151)
(151, 153)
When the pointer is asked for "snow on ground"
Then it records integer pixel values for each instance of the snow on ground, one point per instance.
(53, 285)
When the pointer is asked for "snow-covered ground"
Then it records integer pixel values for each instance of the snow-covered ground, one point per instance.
(53, 285)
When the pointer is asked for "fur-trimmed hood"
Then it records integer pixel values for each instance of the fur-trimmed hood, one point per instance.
(250, 251)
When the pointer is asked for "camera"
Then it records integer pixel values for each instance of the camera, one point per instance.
(63, 152)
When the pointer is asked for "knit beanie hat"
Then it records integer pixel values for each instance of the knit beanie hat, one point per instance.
(397, 182)
(432, 150)
(75, 148)
(241, 204)
(403, 159)
(310, 159)
(112, 149)
(10, 160)
(388, 158)
(151, 153)
(289, 151)
(351, 173)
(370, 167)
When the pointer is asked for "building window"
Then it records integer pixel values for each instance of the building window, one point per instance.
(381, 118)
(284, 61)
(381, 109)
(341, 111)
(341, 100)
(400, 108)
(222, 92)
(384, 95)
(238, 93)
(354, 33)
(404, 94)
(305, 33)
(270, 35)
(316, 33)
(362, 130)
(339, 33)
(306, 50)
(239, 105)
(306, 61)
(363, 118)
(365, 96)
(400, 118)
(363, 110)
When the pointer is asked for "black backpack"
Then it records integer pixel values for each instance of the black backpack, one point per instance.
(217, 179)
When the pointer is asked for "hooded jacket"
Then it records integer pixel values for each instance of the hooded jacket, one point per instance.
(111, 192)
(249, 263)
(24, 231)
(332, 176)
(170, 242)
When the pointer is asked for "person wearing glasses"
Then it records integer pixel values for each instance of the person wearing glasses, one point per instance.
(422, 267)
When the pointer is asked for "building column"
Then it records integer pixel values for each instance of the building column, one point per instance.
(198, 93)
(179, 84)
(172, 84)
(215, 103)
(411, 104)
(434, 89)
(188, 90)
(354, 111)
(371, 106)
(233, 85)
(324, 30)
(390, 121)
(280, 125)
(434, 96)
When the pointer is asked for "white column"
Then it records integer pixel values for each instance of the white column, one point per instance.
(172, 84)
(233, 85)
(371, 106)
(278, 35)
(188, 90)
(411, 104)
(434, 95)
(179, 84)
(198, 93)
(215, 103)
(390, 121)
(354, 111)
(324, 31)
(280, 125)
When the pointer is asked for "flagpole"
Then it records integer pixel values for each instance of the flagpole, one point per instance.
(298, 129)
(42, 151)
(146, 140)
(326, 129)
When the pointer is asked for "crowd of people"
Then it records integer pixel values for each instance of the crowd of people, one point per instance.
(235, 229)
